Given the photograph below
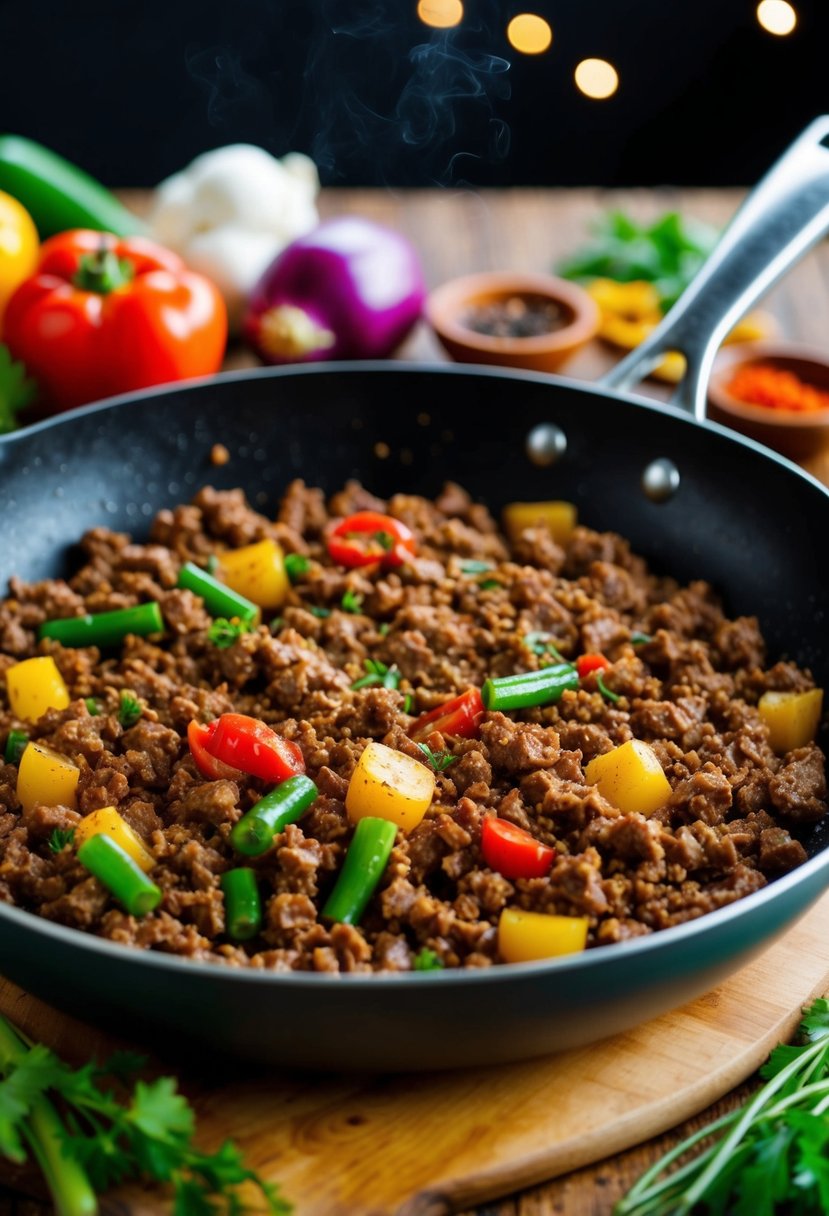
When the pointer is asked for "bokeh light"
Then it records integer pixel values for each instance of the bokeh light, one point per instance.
(442, 14)
(529, 34)
(597, 78)
(777, 16)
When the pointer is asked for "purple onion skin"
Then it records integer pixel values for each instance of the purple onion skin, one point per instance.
(358, 280)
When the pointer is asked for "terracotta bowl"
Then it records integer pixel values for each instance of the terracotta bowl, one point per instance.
(796, 434)
(451, 307)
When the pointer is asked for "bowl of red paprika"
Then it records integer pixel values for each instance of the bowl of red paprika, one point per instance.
(774, 392)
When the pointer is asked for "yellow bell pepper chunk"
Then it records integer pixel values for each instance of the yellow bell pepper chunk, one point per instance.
(524, 936)
(630, 777)
(559, 518)
(792, 718)
(47, 777)
(34, 686)
(257, 572)
(107, 822)
(389, 785)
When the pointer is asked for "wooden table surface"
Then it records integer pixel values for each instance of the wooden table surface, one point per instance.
(457, 232)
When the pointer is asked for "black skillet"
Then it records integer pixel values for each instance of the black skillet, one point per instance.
(693, 498)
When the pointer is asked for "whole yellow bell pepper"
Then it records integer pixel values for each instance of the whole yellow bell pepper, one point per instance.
(19, 246)
(107, 822)
(257, 572)
(34, 686)
(389, 785)
(525, 936)
(47, 777)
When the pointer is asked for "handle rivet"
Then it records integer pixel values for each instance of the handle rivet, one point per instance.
(660, 480)
(546, 443)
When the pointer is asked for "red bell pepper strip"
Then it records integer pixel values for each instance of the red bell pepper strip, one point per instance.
(368, 537)
(513, 852)
(591, 662)
(103, 315)
(199, 736)
(460, 716)
(251, 745)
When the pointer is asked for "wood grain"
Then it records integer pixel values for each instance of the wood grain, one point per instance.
(457, 1142)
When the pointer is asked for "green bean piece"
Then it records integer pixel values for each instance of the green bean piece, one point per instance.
(365, 861)
(254, 832)
(15, 746)
(121, 876)
(218, 598)
(243, 907)
(104, 628)
(542, 687)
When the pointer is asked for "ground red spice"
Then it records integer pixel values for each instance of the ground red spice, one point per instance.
(776, 388)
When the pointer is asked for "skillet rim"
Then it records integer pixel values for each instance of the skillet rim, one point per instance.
(589, 959)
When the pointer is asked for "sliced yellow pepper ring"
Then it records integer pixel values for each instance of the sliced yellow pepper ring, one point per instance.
(34, 686)
(525, 936)
(389, 785)
(257, 572)
(47, 777)
(792, 718)
(107, 822)
(630, 777)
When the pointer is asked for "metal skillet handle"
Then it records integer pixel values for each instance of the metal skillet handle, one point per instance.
(785, 214)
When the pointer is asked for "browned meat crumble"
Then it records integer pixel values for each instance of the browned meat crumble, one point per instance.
(691, 691)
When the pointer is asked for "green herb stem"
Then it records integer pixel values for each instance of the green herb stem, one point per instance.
(219, 599)
(243, 907)
(530, 688)
(104, 628)
(122, 877)
(253, 834)
(365, 861)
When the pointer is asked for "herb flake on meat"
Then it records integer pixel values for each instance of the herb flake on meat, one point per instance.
(427, 960)
(378, 673)
(60, 838)
(637, 638)
(224, 633)
(296, 565)
(319, 612)
(439, 761)
(93, 706)
(15, 746)
(130, 709)
(607, 693)
(541, 643)
(352, 601)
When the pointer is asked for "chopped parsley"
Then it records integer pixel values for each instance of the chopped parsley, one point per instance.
(541, 643)
(130, 709)
(320, 613)
(93, 706)
(606, 692)
(489, 584)
(60, 838)
(352, 601)
(475, 567)
(15, 746)
(637, 638)
(296, 565)
(223, 633)
(378, 674)
(439, 761)
(427, 960)
(383, 629)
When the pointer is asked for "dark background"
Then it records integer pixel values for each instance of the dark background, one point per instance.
(133, 89)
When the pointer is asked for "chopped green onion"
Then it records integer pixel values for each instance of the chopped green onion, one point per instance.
(378, 673)
(104, 628)
(60, 838)
(408, 702)
(352, 601)
(321, 613)
(439, 761)
(218, 598)
(93, 706)
(223, 633)
(489, 584)
(427, 960)
(365, 861)
(243, 907)
(296, 564)
(637, 638)
(530, 688)
(475, 567)
(15, 746)
(254, 832)
(129, 710)
(606, 692)
(122, 877)
(542, 643)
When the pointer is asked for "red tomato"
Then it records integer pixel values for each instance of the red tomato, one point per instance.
(590, 662)
(199, 737)
(461, 716)
(513, 852)
(253, 747)
(369, 537)
(103, 315)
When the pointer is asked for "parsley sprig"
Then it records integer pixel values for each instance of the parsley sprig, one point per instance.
(59, 838)
(114, 1128)
(378, 673)
(768, 1156)
(439, 761)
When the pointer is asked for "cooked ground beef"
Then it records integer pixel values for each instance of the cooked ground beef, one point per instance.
(691, 691)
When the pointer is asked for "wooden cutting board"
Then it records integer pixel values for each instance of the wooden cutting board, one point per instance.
(435, 1143)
